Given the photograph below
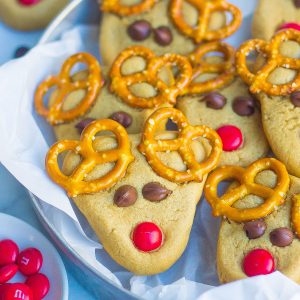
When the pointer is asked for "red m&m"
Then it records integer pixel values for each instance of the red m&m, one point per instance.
(231, 137)
(30, 261)
(258, 262)
(39, 284)
(29, 2)
(16, 291)
(8, 272)
(285, 26)
(147, 237)
(8, 252)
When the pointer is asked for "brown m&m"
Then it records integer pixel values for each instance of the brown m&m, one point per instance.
(154, 191)
(297, 3)
(125, 196)
(139, 30)
(163, 36)
(244, 105)
(281, 237)
(215, 100)
(84, 123)
(255, 229)
(122, 117)
(295, 98)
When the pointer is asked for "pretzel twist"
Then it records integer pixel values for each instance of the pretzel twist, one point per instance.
(149, 147)
(115, 6)
(223, 206)
(75, 184)
(65, 85)
(205, 8)
(120, 83)
(224, 69)
(259, 82)
(296, 214)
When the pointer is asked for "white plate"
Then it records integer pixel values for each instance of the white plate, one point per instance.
(26, 236)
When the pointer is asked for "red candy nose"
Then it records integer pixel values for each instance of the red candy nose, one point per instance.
(29, 2)
(8, 252)
(16, 291)
(258, 262)
(231, 137)
(30, 261)
(285, 26)
(147, 237)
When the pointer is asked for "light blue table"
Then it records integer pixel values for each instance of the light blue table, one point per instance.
(14, 199)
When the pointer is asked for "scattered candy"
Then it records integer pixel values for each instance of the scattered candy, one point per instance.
(30, 261)
(8, 272)
(258, 262)
(39, 284)
(9, 252)
(147, 237)
(231, 136)
(16, 291)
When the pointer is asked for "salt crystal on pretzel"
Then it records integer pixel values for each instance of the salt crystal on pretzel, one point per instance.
(195, 171)
(223, 206)
(75, 184)
(55, 114)
(274, 59)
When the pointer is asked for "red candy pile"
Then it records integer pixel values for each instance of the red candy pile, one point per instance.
(29, 263)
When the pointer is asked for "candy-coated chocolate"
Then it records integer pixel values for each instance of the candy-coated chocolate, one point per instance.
(231, 137)
(21, 51)
(29, 2)
(9, 251)
(125, 195)
(255, 229)
(30, 261)
(215, 100)
(163, 36)
(285, 26)
(8, 272)
(39, 284)
(258, 262)
(154, 191)
(122, 117)
(147, 237)
(84, 123)
(139, 30)
(281, 237)
(16, 291)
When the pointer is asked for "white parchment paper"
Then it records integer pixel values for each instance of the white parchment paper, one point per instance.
(25, 140)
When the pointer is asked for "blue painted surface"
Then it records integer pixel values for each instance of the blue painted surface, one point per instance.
(14, 199)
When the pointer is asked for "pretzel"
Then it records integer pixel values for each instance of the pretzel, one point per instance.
(222, 206)
(205, 8)
(259, 82)
(225, 69)
(115, 6)
(187, 133)
(296, 214)
(120, 84)
(65, 85)
(75, 184)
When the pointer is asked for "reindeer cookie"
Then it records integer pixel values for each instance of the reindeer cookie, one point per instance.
(168, 26)
(258, 235)
(284, 14)
(276, 85)
(30, 14)
(129, 186)
(77, 100)
(235, 115)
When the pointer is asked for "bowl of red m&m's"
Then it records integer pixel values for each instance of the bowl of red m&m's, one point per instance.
(30, 267)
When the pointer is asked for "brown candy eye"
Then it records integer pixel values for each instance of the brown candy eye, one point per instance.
(163, 36)
(215, 100)
(125, 196)
(154, 191)
(297, 3)
(139, 30)
(244, 106)
(295, 97)
(281, 237)
(83, 123)
(122, 117)
(255, 229)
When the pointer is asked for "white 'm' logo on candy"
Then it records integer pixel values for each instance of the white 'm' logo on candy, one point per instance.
(25, 261)
(19, 295)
